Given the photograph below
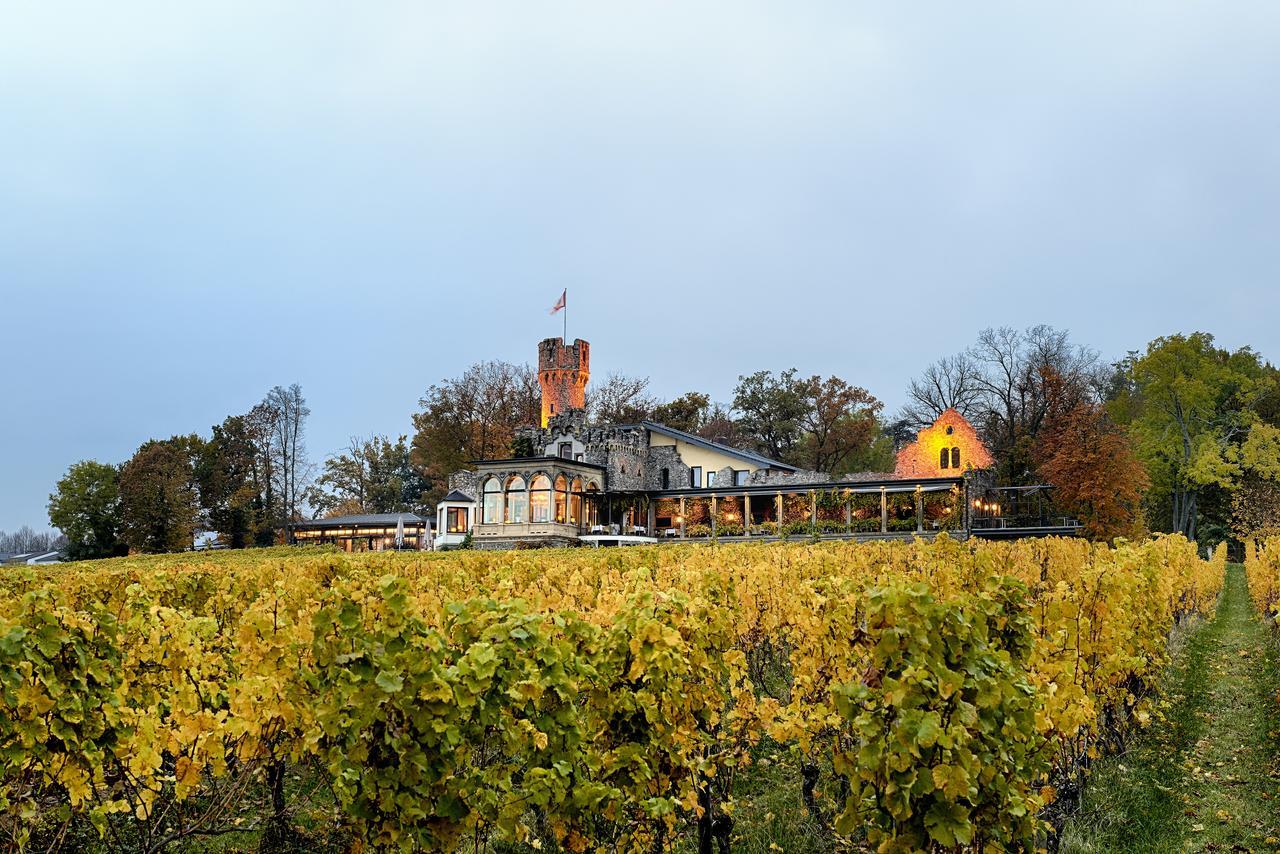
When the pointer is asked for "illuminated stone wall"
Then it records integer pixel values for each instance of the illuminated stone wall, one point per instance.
(950, 433)
(563, 371)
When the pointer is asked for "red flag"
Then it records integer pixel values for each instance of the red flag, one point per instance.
(560, 303)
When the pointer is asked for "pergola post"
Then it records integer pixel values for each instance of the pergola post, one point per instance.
(651, 518)
(884, 511)
(919, 510)
(713, 514)
(848, 512)
(682, 517)
(813, 508)
(777, 504)
(746, 513)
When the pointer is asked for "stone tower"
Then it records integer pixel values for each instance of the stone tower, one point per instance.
(563, 370)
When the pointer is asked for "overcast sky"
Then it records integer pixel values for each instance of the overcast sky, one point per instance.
(200, 201)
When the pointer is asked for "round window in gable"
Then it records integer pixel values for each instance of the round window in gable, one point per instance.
(950, 429)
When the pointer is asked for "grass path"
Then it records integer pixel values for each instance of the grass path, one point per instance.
(1205, 777)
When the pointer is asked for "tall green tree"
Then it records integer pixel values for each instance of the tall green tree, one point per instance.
(771, 409)
(85, 507)
(1189, 405)
(231, 483)
(374, 475)
(821, 424)
(688, 412)
(159, 501)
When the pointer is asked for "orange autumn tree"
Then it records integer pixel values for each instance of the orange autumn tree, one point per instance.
(1092, 466)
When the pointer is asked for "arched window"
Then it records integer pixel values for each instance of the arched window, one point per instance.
(575, 502)
(666, 478)
(517, 501)
(492, 501)
(540, 499)
(562, 499)
(944, 458)
(955, 458)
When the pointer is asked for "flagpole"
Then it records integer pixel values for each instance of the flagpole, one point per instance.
(565, 337)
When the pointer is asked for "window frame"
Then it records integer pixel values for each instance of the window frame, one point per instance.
(517, 501)
(540, 499)
(492, 513)
(451, 517)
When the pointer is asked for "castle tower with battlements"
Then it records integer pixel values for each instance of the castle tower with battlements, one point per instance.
(563, 370)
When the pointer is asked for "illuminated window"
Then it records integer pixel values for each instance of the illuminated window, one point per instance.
(944, 458)
(492, 502)
(695, 477)
(562, 499)
(517, 501)
(575, 502)
(456, 520)
(955, 458)
(540, 499)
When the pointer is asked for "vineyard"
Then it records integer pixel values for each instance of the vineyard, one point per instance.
(946, 695)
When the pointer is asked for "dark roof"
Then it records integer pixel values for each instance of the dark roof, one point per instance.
(749, 456)
(371, 519)
(457, 495)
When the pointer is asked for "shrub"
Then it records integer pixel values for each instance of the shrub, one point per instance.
(945, 749)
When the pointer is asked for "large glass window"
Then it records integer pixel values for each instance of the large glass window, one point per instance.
(492, 502)
(575, 502)
(456, 520)
(517, 501)
(562, 499)
(740, 477)
(695, 477)
(711, 479)
(540, 499)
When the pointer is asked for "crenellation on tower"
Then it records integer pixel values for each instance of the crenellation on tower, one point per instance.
(563, 371)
